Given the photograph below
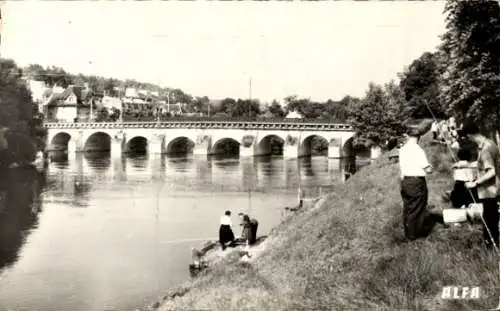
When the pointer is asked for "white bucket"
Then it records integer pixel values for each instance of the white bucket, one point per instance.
(476, 210)
(451, 215)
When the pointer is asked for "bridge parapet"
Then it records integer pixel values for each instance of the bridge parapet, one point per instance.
(248, 125)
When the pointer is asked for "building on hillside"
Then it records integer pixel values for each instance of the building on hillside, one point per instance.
(110, 102)
(131, 92)
(67, 106)
(174, 109)
(293, 115)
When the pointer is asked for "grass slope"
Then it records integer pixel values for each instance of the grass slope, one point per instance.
(349, 253)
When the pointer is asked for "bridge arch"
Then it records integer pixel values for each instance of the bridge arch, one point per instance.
(226, 146)
(314, 144)
(60, 141)
(137, 144)
(270, 144)
(180, 145)
(98, 141)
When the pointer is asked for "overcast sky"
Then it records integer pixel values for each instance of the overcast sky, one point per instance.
(319, 50)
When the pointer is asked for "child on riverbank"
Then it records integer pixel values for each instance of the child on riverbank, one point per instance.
(463, 171)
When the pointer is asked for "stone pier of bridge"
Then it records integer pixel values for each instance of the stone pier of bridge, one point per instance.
(254, 138)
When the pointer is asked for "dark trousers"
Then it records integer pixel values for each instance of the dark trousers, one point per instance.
(418, 221)
(460, 195)
(225, 235)
(491, 218)
(253, 233)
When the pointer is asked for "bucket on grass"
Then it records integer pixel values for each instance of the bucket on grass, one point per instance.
(451, 215)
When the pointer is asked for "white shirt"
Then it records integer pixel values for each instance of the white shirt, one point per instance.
(412, 159)
(226, 220)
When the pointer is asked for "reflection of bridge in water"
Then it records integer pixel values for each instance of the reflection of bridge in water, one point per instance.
(188, 173)
(295, 138)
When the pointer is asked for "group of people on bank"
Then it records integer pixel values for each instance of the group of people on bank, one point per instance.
(477, 183)
(248, 234)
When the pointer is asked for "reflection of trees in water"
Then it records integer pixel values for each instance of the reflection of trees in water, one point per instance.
(20, 205)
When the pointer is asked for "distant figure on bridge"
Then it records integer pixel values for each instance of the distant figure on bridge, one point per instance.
(225, 231)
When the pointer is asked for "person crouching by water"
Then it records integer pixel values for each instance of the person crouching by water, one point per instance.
(249, 232)
(418, 219)
(225, 231)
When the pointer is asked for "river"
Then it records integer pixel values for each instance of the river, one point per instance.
(98, 233)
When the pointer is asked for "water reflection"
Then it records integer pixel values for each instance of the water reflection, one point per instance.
(20, 205)
(213, 173)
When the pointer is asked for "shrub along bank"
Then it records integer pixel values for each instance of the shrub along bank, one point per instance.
(349, 252)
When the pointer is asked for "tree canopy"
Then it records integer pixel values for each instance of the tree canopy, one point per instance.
(377, 117)
(420, 85)
(470, 62)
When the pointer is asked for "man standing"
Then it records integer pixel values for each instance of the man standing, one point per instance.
(418, 220)
(488, 180)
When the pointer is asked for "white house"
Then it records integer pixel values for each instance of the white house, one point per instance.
(64, 106)
(111, 102)
(131, 92)
(293, 115)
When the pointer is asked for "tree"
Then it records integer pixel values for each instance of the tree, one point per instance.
(35, 72)
(178, 96)
(470, 56)
(227, 105)
(201, 104)
(276, 110)
(420, 84)
(102, 115)
(377, 118)
(114, 115)
(244, 108)
(16, 116)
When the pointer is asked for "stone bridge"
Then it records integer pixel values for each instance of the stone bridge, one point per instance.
(202, 137)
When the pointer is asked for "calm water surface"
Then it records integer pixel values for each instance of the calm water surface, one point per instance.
(98, 233)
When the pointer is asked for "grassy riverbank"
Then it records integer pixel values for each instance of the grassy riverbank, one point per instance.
(348, 252)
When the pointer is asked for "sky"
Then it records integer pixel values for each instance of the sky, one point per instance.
(317, 50)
